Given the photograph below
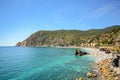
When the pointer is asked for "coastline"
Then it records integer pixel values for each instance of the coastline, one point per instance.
(68, 47)
(103, 65)
(102, 60)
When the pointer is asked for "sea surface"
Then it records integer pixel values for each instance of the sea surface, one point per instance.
(40, 63)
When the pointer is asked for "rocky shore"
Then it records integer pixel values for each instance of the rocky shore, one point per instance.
(104, 68)
(107, 71)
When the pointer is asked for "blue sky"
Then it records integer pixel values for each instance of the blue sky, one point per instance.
(20, 18)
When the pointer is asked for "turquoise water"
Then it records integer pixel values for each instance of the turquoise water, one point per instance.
(37, 63)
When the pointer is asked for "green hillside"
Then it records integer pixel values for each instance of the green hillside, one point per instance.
(70, 37)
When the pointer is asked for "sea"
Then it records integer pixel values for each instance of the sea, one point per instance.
(43, 63)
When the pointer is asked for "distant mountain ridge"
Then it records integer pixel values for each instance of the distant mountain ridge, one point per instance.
(68, 37)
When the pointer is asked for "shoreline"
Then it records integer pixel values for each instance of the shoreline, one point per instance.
(103, 65)
(67, 47)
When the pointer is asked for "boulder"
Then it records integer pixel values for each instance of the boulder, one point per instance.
(118, 72)
(103, 49)
(107, 51)
(116, 62)
(80, 53)
(116, 78)
(91, 75)
(80, 78)
(77, 52)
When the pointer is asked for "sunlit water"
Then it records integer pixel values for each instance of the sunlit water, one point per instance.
(36, 63)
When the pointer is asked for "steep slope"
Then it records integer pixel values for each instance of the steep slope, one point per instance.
(65, 37)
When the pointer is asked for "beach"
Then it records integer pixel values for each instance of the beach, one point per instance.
(103, 67)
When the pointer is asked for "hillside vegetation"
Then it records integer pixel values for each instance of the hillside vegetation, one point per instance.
(105, 36)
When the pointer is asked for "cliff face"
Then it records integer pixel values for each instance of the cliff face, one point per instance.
(67, 37)
(21, 43)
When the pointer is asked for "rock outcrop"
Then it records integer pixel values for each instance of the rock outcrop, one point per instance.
(107, 71)
(116, 61)
(24, 43)
(80, 53)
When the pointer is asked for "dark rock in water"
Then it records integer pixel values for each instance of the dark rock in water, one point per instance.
(77, 52)
(80, 53)
(84, 53)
